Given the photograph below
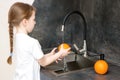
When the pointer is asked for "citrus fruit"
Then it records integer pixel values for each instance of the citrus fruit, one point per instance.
(101, 67)
(65, 46)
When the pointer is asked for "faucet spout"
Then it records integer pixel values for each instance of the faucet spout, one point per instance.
(84, 21)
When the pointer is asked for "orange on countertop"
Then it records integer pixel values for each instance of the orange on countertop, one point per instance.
(101, 67)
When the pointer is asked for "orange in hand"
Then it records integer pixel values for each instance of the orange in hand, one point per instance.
(101, 67)
(65, 46)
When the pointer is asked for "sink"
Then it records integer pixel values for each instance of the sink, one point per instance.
(74, 63)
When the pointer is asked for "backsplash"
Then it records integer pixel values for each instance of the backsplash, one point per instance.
(103, 20)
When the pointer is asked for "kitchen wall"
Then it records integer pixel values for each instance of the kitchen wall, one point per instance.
(103, 20)
(103, 27)
(6, 71)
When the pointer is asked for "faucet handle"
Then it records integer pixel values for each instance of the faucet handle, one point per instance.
(76, 47)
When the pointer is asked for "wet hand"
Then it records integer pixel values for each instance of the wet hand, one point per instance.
(64, 51)
(53, 51)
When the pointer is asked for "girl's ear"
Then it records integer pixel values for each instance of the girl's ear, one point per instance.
(24, 22)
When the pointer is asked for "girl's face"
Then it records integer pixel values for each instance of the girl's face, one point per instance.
(31, 23)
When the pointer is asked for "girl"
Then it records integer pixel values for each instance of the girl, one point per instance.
(29, 55)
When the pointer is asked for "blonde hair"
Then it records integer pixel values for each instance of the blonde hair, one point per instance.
(18, 11)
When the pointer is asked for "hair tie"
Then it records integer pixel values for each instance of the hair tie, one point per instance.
(11, 54)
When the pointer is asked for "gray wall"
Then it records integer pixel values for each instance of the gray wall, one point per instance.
(103, 20)
(103, 27)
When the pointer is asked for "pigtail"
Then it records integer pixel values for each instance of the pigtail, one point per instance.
(9, 60)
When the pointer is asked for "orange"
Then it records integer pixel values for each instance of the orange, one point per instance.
(65, 46)
(101, 67)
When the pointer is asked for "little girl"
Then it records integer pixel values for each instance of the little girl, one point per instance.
(29, 55)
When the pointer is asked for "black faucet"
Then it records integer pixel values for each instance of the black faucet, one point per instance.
(84, 50)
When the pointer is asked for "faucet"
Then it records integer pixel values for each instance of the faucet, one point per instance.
(84, 50)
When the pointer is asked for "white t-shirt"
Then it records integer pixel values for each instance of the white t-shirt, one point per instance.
(27, 50)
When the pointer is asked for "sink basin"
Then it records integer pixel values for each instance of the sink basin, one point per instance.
(74, 62)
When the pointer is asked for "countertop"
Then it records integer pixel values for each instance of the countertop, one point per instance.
(84, 74)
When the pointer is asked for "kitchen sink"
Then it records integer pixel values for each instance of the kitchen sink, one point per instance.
(73, 61)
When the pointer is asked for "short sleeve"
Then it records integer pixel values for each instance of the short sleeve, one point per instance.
(37, 51)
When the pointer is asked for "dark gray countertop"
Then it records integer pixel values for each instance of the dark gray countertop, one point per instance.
(84, 74)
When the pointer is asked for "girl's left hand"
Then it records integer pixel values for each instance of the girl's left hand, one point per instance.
(53, 51)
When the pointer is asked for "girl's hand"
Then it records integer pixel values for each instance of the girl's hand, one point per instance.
(53, 51)
(64, 52)
(59, 59)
